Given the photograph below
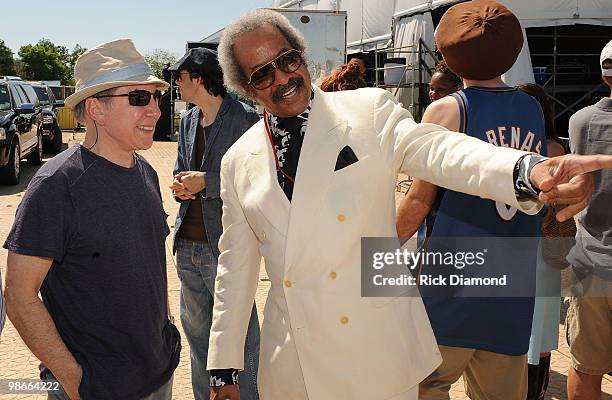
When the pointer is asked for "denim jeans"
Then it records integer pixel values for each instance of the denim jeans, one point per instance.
(197, 269)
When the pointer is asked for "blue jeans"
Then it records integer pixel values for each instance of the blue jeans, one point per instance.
(197, 269)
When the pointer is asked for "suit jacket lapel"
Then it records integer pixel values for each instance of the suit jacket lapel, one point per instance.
(216, 126)
(323, 140)
(193, 131)
(261, 169)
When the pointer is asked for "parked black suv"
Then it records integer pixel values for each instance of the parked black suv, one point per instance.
(20, 128)
(51, 132)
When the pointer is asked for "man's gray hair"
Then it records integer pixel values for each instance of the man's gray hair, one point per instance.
(79, 109)
(233, 77)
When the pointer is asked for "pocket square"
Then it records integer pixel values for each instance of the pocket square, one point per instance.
(345, 158)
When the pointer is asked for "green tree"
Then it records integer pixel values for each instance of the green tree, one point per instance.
(71, 60)
(19, 68)
(158, 59)
(76, 53)
(45, 61)
(7, 63)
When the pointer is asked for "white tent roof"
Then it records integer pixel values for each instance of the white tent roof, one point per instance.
(369, 21)
(530, 12)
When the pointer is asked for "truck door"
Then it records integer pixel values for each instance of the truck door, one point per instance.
(36, 118)
(27, 125)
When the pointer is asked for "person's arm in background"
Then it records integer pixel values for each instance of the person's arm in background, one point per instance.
(24, 277)
(414, 208)
(577, 130)
(421, 196)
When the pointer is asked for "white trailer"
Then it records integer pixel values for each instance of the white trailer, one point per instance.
(325, 34)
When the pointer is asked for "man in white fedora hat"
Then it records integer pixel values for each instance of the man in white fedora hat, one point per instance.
(89, 235)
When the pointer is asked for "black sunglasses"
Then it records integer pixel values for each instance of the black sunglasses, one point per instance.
(264, 76)
(139, 98)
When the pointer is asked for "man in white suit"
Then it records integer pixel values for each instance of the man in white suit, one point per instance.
(320, 339)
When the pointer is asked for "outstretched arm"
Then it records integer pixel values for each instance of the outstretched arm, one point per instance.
(471, 166)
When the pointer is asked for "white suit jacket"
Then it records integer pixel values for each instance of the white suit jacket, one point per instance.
(320, 339)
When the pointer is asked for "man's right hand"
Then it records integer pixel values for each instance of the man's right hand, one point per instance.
(567, 180)
(227, 392)
(70, 379)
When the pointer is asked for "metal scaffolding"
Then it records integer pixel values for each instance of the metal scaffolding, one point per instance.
(419, 74)
(570, 76)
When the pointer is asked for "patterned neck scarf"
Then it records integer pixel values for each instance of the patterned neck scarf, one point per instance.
(288, 136)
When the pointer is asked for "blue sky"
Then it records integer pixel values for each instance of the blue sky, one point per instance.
(150, 23)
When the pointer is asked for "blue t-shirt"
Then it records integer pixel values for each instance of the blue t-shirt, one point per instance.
(105, 228)
(503, 117)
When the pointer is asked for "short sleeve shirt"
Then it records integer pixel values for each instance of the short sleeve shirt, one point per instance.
(104, 227)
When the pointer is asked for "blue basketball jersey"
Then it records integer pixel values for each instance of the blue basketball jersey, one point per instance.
(503, 117)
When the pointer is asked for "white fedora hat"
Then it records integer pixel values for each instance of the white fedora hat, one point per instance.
(108, 66)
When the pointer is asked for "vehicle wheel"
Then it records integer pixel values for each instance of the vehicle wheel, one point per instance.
(9, 174)
(36, 156)
(56, 144)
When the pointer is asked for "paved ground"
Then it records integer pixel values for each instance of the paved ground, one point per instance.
(17, 362)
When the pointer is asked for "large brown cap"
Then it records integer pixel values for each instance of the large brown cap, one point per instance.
(479, 39)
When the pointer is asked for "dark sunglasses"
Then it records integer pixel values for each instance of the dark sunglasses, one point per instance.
(264, 76)
(139, 98)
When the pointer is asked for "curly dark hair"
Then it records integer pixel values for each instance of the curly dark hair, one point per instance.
(443, 69)
(234, 76)
(348, 76)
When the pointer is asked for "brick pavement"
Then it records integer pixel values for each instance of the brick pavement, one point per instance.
(16, 361)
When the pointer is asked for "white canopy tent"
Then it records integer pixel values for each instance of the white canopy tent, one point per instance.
(531, 13)
(409, 17)
(370, 21)
(404, 24)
